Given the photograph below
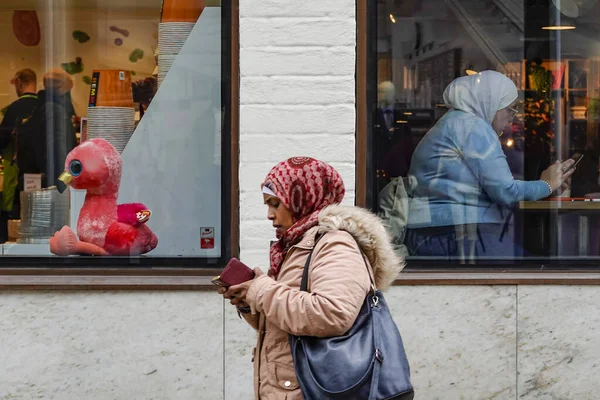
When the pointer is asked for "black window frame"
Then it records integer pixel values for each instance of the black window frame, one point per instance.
(485, 271)
(25, 265)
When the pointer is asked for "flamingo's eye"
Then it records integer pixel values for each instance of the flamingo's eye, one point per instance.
(75, 168)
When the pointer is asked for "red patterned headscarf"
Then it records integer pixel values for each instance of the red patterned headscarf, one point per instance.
(305, 186)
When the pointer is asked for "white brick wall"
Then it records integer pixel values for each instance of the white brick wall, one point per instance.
(297, 94)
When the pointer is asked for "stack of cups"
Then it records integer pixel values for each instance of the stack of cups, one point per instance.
(111, 115)
(178, 18)
(43, 212)
(171, 37)
(113, 124)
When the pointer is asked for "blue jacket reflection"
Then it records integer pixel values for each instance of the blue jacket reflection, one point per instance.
(462, 175)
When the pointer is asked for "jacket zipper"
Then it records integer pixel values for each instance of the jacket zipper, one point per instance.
(261, 336)
(262, 332)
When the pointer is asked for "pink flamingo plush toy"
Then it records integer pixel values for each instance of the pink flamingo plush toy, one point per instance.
(104, 228)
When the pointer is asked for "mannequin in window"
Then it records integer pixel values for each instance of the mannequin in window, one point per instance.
(393, 142)
(386, 93)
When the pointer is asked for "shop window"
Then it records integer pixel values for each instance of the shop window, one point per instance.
(456, 155)
(116, 133)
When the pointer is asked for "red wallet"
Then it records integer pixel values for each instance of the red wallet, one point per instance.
(234, 273)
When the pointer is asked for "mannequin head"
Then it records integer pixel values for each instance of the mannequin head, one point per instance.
(386, 94)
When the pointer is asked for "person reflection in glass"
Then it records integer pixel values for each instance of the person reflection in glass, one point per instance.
(460, 206)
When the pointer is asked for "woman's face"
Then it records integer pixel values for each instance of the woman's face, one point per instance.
(504, 118)
(279, 214)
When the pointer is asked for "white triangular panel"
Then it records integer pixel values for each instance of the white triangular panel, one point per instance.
(172, 162)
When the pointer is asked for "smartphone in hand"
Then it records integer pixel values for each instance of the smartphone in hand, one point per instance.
(234, 273)
(577, 157)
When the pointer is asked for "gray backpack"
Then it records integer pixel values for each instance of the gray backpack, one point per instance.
(393, 210)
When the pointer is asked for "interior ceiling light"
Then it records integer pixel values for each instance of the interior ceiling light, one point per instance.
(569, 9)
(392, 18)
(558, 28)
(561, 27)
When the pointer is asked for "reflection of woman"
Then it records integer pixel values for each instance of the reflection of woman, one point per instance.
(302, 196)
(463, 179)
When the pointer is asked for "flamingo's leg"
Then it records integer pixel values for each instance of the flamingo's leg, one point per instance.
(65, 242)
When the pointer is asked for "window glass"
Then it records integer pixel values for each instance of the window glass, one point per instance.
(112, 128)
(482, 110)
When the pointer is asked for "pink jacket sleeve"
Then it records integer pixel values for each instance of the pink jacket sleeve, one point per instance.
(338, 284)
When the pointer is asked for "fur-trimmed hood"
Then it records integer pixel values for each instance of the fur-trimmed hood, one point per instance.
(371, 236)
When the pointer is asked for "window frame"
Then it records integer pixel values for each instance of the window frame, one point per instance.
(530, 272)
(154, 273)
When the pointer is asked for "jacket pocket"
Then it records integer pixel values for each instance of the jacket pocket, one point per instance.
(285, 377)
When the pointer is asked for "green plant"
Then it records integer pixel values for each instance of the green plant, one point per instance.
(539, 121)
(541, 78)
(594, 108)
(538, 129)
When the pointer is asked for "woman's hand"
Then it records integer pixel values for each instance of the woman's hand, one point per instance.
(555, 175)
(237, 293)
(239, 304)
(226, 294)
(222, 290)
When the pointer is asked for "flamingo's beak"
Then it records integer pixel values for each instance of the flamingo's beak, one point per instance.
(64, 180)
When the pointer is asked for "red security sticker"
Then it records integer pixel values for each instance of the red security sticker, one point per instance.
(207, 238)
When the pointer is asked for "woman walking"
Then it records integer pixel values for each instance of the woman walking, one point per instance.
(303, 197)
